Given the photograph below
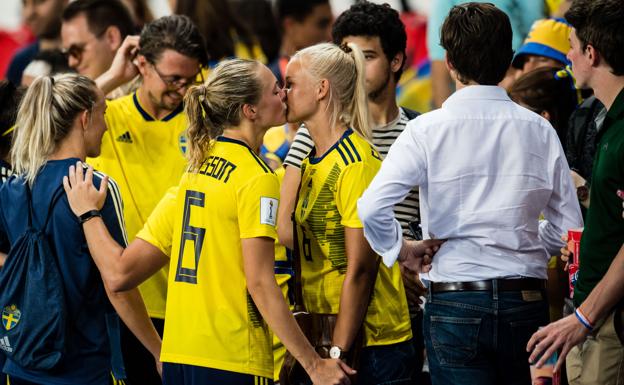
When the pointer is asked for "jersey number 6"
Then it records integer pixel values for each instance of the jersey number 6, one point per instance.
(190, 234)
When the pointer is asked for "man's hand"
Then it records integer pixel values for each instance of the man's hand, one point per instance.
(564, 334)
(416, 256)
(565, 252)
(331, 372)
(123, 69)
(414, 289)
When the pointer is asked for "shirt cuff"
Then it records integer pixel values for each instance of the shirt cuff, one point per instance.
(390, 256)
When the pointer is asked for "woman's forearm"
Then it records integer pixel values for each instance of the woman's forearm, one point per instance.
(269, 300)
(288, 197)
(356, 288)
(131, 309)
(122, 269)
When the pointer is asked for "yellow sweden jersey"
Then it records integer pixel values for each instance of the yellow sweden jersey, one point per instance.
(330, 188)
(211, 320)
(146, 157)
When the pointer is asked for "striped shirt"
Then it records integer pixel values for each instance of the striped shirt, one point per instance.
(300, 148)
(383, 137)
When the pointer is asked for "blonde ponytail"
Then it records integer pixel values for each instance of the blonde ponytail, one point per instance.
(45, 117)
(218, 103)
(344, 68)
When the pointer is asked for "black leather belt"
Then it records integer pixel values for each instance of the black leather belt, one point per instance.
(502, 285)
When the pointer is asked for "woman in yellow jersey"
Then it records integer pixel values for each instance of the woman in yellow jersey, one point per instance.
(217, 234)
(326, 91)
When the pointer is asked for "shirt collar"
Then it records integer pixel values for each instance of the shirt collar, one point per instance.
(617, 108)
(149, 118)
(478, 92)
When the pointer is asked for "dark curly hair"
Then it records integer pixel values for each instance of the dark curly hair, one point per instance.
(175, 32)
(477, 40)
(599, 23)
(368, 19)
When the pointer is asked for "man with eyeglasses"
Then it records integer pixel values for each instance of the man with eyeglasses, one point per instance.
(143, 148)
(92, 32)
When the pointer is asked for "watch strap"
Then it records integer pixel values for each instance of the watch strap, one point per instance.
(89, 215)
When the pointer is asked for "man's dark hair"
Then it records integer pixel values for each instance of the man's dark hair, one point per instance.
(369, 19)
(175, 32)
(477, 40)
(102, 14)
(297, 9)
(600, 23)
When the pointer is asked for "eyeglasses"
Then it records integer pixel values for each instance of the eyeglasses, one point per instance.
(77, 50)
(175, 82)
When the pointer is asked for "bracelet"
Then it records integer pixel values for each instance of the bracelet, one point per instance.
(582, 319)
(89, 215)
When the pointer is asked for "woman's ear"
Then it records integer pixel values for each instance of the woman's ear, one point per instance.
(250, 111)
(323, 89)
(84, 120)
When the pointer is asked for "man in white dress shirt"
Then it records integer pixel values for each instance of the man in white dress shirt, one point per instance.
(487, 168)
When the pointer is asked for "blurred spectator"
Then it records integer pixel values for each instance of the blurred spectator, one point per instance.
(140, 12)
(225, 35)
(546, 45)
(301, 24)
(43, 17)
(414, 87)
(10, 42)
(10, 97)
(46, 63)
(258, 14)
(92, 32)
(549, 92)
(521, 14)
(557, 8)
(584, 125)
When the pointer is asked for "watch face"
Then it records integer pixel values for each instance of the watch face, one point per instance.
(334, 352)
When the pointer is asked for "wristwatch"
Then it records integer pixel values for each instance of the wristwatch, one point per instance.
(582, 192)
(336, 352)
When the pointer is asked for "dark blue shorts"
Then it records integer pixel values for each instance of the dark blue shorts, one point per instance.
(17, 381)
(181, 374)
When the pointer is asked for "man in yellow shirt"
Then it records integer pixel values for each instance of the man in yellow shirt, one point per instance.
(144, 146)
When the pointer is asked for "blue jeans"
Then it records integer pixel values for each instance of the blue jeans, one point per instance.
(388, 364)
(480, 337)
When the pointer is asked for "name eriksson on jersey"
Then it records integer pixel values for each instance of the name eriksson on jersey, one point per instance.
(217, 167)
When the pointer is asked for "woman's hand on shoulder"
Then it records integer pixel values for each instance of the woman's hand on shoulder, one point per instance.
(81, 193)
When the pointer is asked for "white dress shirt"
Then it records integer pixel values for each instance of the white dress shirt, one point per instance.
(487, 168)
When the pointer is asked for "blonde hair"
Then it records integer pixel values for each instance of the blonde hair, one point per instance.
(45, 117)
(217, 104)
(344, 68)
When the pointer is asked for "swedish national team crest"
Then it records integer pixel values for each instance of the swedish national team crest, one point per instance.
(182, 143)
(10, 317)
